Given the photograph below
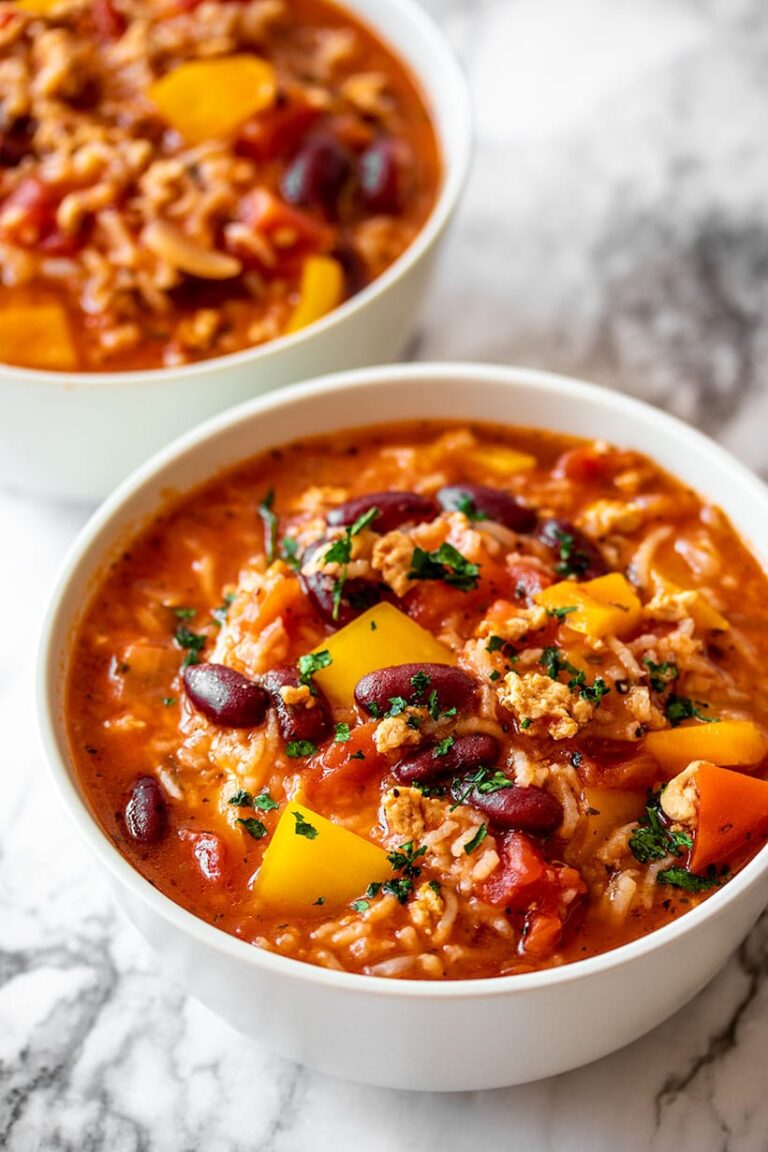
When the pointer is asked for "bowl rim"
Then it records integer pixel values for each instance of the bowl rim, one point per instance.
(151, 475)
(455, 100)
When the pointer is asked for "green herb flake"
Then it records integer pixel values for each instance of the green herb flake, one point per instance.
(435, 886)
(298, 748)
(466, 505)
(304, 828)
(220, 614)
(476, 840)
(359, 905)
(185, 613)
(241, 799)
(340, 552)
(192, 642)
(572, 562)
(561, 613)
(320, 901)
(169, 701)
(401, 887)
(495, 644)
(271, 523)
(373, 889)
(688, 881)
(289, 552)
(420, 681)
(494, 676)
(445, 563)
(311, 663)
(525, 723)
(253, 827)
(443, 747)
(397, 705)
(374, 625)
(359, 755)
(594, 693)
(679, 708)
(264, 802)
(652, 840)
(661, 675)
(341, 733)
(429, 790)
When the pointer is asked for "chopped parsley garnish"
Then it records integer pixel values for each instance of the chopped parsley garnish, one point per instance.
(374, 625)
(554, 663)
(303, 827)
(476, 840)
(429, 790)
(193, 642)
(679, 708)
(661, 675)
(466, 505)
(359, 905)
(434, 709)
(341, 733)
(414, 722)
(561, 613)
(373, 889)
(525, 723)
(397, 705)
(443, 747)
(289, 552)
(169, 701)
(185, 613)
(485, 780)
(297, 748)
(495, 644)
(572, 561)
(311, 663)
(403, 860)
(688, 881)
(444, 563)
(320, 900)
(652, 840)
(435, 886)
(340, 552)
(494, 676)
(271, 523)
(241, 799)
(359, 755)
(420, 681)
(264, 802)
(253, 827)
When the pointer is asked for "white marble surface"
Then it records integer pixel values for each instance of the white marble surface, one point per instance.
(616, 226)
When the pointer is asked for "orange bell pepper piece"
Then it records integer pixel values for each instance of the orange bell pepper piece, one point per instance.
(733, 743)
(205, 99)
(733, 812)
(321, 290)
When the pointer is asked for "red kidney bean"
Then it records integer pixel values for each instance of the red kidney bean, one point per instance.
(394, 509)
(16, 143)
(319, 588)
(491, 503)
(225, 696)
(530, 809)
(465, 754)
(576, 554)
(381, 177)
(146, 814)
(317, 174)
(355, 271)
(297, 721)
(374, 691)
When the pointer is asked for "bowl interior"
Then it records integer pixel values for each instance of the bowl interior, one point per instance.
(368, 397)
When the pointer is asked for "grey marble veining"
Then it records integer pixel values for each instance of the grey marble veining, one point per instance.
(615, 226)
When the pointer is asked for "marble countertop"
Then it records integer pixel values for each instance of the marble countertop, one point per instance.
(615, 227)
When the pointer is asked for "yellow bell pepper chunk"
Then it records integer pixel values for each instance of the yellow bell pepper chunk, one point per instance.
(729, 744)
(36, 336)
(703, 614)
(606, 606)
(321, 290)
(501, 460)
(203, 99)
(382, 636)
(37, 7)
(310, 859)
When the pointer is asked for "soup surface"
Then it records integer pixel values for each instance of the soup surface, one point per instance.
(430, 701)
(182, 179)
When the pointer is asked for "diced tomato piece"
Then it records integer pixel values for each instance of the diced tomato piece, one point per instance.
(521, 877)
(527, 577)
(276, 133)
(542, 934)
(210, 855)
(109, 23)
(586, 465)
(33, 219)
(345, 765)
(268, 214)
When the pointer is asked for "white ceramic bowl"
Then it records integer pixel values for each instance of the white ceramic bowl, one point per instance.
(412, 1034)
(73, 436)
